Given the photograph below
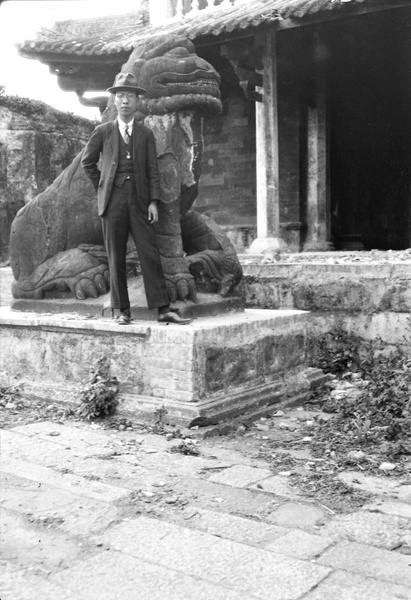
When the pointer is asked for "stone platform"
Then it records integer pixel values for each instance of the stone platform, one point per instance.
(213, 369)
(56, 302)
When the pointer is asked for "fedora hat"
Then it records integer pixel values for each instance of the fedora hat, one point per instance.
(127, 82)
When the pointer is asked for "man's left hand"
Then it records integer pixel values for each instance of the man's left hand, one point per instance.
(153, 212)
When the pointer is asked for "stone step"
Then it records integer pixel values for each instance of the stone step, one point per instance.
(253, 572)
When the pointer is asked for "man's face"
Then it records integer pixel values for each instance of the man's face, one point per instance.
(126, 104)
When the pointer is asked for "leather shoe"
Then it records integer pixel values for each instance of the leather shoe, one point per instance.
(124, 318)
(172, 317)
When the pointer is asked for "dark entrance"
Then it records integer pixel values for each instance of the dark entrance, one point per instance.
(369, 85)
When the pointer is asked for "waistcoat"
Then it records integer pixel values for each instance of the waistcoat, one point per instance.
(125, 162)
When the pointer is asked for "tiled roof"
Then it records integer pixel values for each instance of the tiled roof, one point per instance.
(242, 15)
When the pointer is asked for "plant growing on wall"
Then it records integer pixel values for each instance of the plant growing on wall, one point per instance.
(98, 398)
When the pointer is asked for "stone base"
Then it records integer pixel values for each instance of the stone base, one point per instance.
(213, 369)
(266, 245)
(318, 246)
(64, 303)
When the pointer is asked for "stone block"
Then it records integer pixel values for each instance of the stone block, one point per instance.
(397, 297)
(281, 353)
(299, 544)
(278, 486)
(376, 485)
(237, 529)
(303, 516)
(350, 586)
(72, 483)
(34, 546)
(81, 438)
(22, 585)
(369, 562)
(159, 380)
(229, 367)
(115, 576)
(257, 573)
(385, 531)
(389, 508)
(333, 294)
(240, 476)
(47, 504)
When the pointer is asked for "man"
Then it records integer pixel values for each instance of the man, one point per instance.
(128, 189)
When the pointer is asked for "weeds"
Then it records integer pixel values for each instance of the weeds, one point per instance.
(98, 398)
(187, 447)
(377, 417)
(9, 393)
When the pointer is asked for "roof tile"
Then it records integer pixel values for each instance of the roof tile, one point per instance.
(240, 16)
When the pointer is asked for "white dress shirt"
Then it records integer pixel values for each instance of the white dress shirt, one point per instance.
(123, 126)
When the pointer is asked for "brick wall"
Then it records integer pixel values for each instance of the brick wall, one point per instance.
(228, 183)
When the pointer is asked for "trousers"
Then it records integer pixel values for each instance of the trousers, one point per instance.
(122, 216)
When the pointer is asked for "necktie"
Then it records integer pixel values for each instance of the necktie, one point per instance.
(126, 135)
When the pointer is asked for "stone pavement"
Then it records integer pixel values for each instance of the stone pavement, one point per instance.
(89, 513)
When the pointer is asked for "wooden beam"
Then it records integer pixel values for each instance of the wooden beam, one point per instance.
(317, 209)
(284, 24)
(81, 59)
(334, 15)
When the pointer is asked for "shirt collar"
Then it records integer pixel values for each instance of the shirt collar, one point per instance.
(122, 125)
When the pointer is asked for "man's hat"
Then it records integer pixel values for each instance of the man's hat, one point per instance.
(126, 82)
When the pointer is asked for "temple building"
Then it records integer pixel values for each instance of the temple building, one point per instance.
(312, 150)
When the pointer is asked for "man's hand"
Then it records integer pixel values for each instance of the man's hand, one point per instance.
(153, 212)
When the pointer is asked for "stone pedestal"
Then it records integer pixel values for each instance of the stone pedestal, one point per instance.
(56, 302)
(211, 370)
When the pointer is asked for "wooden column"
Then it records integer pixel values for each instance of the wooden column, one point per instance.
(318, 221)
(268, 198)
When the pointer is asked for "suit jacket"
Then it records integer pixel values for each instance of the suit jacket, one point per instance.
(105, 140)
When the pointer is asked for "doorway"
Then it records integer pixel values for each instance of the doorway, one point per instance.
(369, 103)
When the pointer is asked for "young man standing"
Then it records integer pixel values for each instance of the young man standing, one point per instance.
(128, 189)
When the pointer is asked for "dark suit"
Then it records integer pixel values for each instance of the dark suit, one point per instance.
(123, 205)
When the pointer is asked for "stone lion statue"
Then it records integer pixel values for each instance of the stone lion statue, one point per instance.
(56, 243)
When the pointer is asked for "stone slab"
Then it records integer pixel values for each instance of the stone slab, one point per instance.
(350, 586)
(389, 508)
(34, 546)
(23, 585)
(369, 562)
(296, 515)
(299, 544)
(72, 483)
(207, 305)
(254, 571)
(214, 369)
(240, 476)
(129, 470)
(47, 504)
(278, 486)
(237, 529)
(385, 531)
(70, 436)
(136, 579)
(49, 439)
(376, 485)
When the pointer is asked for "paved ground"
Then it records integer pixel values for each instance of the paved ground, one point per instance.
(91, 513)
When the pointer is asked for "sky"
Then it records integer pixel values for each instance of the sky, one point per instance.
(20, 20)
